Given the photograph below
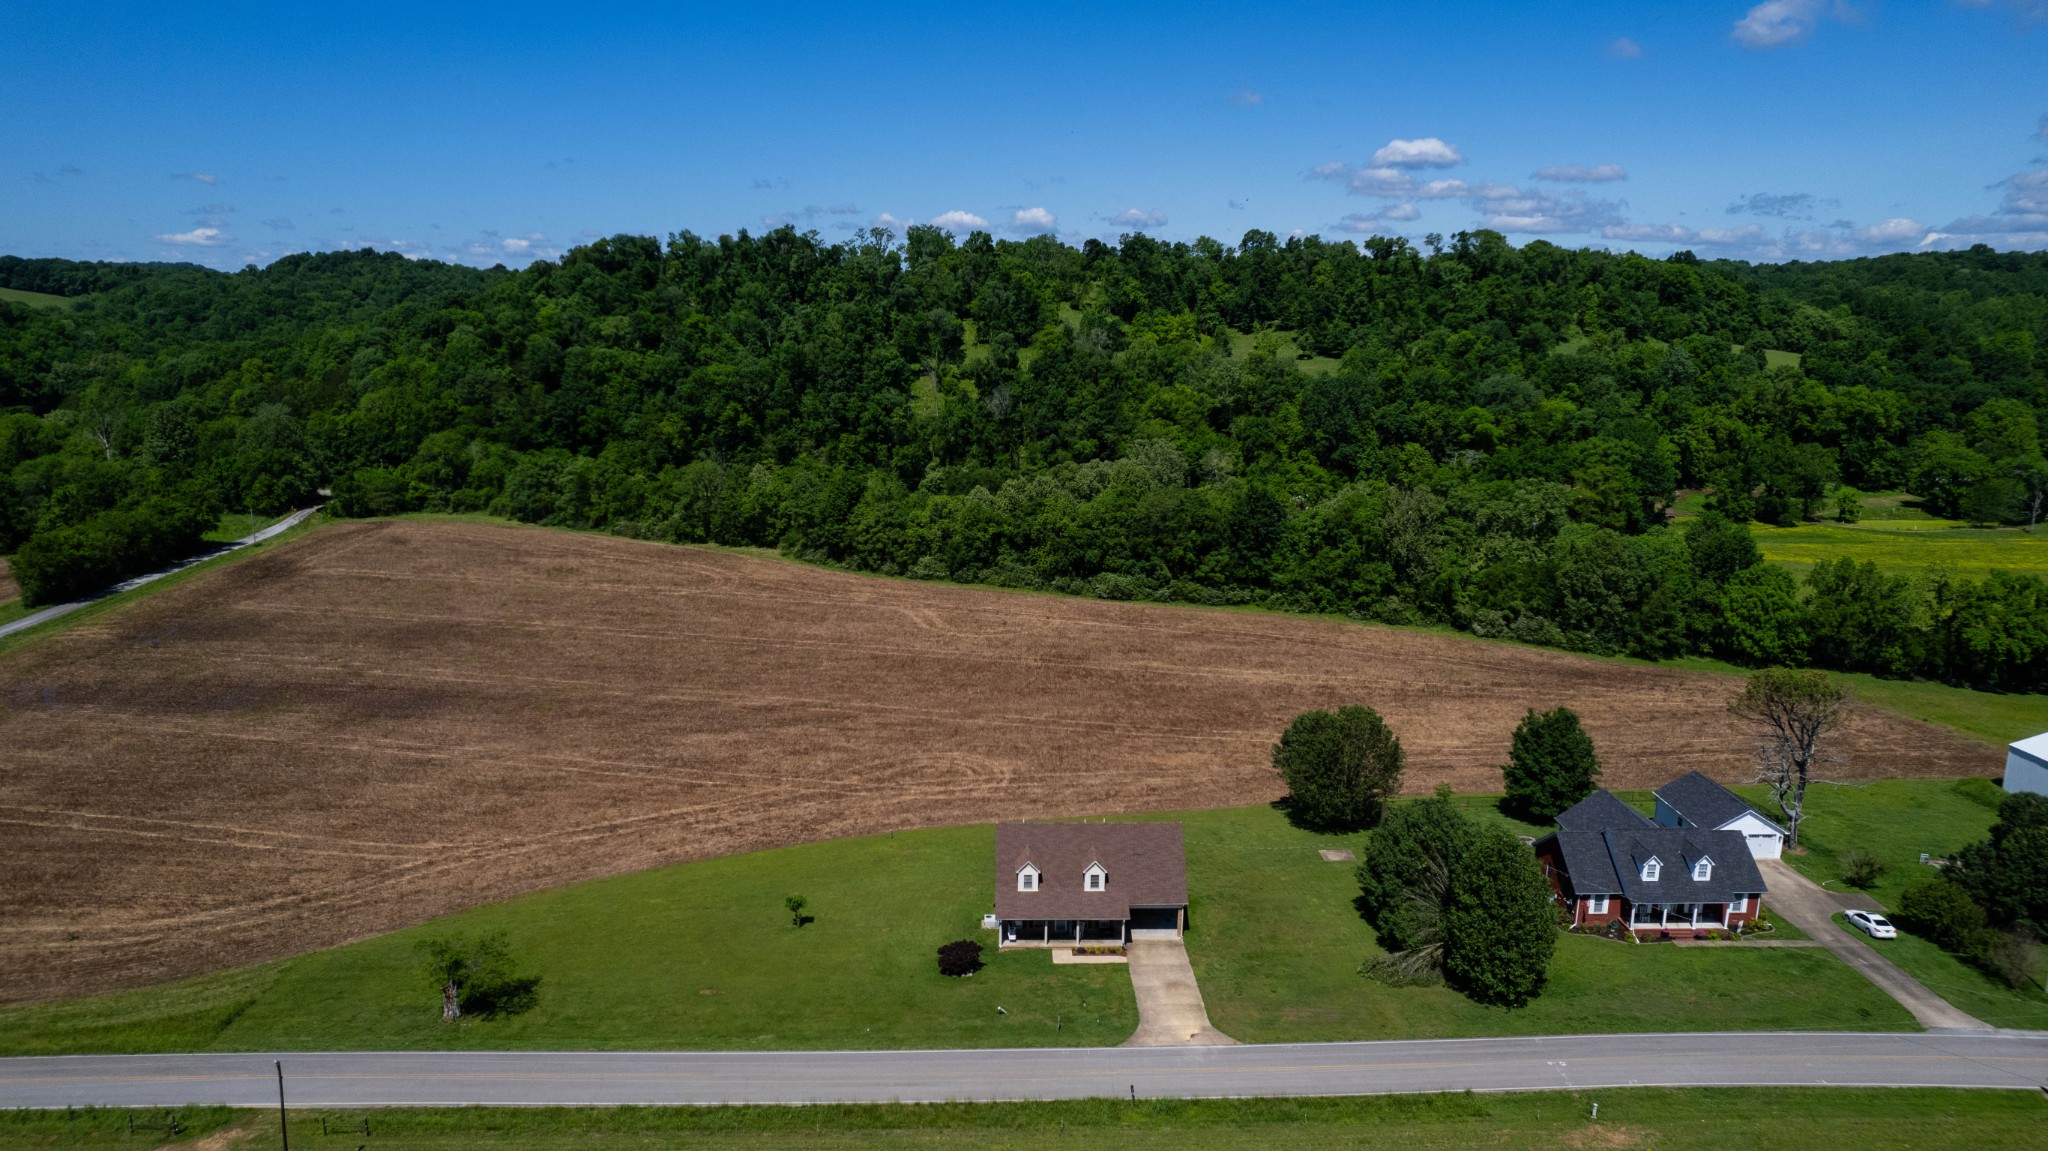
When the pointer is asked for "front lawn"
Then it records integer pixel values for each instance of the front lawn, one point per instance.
(1963, 985)
(1893, 819)
(1277, 942)
(701, 955)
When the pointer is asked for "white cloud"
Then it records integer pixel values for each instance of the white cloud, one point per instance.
(1369, 222)
(1246, 98)
(958, 221)
(885, 220)
(1648, 233)
(1138, 218)
(2019, 221)
(1582, 174)
(1624, 48)
(1776, 23)
(1428, 152)
(198, 238)
(1032, 220)
(206, 178)
(1890, 231)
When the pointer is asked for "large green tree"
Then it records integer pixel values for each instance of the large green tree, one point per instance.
(1404, 873)
(1340, 767)
(1501, 926)
(1551, 765)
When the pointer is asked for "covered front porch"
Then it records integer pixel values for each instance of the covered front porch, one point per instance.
(1678, 917)
(1063, 932)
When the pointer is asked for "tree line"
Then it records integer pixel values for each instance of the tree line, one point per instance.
(1465, 433)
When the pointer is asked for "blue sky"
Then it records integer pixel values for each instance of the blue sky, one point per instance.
(504, 133)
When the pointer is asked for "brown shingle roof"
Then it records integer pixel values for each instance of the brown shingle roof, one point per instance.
(1146, 864)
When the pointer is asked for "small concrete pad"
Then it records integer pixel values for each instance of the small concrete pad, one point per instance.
(1336, 855)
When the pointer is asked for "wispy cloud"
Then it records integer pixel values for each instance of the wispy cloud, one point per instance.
(1139, 218)
(1623, 48)
(213, 209)
(1778, 23)
(1367, 222)
(207, 178)
(1784, 206)
(2019, 221)
(768, 183)
(197, 238)
(75, 170)
(2040, 133)
(279, 223)
(1246, 98)
(1582, 174)
(958, 221)
(1428, 152)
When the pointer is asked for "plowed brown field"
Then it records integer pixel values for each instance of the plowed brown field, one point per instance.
(381, 722)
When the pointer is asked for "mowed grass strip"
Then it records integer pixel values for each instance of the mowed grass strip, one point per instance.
(35, 299)
(1906, 549)
(1280, 940)
(1671, 1119)
(701, 955)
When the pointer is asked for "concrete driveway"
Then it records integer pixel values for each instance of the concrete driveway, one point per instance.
(1812, 908)
(1170, 1008)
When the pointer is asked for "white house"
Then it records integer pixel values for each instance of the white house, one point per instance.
(2026, 765)
(1693, 800)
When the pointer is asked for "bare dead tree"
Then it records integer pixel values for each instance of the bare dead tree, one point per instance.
(1792, 713)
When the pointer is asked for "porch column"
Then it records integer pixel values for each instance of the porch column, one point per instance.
(1047, 924)
(1695, 915)
(1078, 923)
(1123, 931)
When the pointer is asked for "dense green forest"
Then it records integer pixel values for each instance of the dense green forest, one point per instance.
(1472, 434)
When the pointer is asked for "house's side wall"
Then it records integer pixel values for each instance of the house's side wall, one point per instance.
(1666, 817)
(1763, 839)
(2023, 774)
(1552, 862)
(1617, 909)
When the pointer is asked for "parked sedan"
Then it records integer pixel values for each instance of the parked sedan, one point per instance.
(1872, 924)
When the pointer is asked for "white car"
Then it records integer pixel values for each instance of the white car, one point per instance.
(1872, 924)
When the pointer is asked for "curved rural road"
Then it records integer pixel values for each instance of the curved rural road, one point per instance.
(2004, 1059)
(54, 610)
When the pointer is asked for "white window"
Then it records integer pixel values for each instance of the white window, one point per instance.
(1094, 882)
(1741, 903)
(1096, 879)
(1703, 870)
(1596, 905)
(1652, 867)
(1027, 878)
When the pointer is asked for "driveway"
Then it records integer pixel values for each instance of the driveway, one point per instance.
(1170, 1008)
(1812, 908)
(1541, 1063)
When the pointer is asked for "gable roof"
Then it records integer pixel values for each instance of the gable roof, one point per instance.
(1701, 801)
(1146, 862)
(2034, 747)
(1600, 811)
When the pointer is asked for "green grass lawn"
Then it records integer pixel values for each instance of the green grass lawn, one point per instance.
(1277, 942)
(35, 299)
(1966, 987)
(1905, 547)
(700, 955)
(1666, 1118)
(237, 525)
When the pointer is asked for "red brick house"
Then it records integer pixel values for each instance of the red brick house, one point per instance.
(1080, 883)
(1607, 864)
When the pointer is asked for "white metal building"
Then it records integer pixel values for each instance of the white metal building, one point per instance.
(2026, 765)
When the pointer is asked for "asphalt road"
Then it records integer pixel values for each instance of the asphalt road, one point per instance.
(366, 1079)
(54, 610)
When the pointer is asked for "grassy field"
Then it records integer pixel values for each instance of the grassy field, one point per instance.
(1665, 1118)
(1896, 820)
(236, 525)
(1279, 943)
(35, 299)
(1903, 547)
(702, 955)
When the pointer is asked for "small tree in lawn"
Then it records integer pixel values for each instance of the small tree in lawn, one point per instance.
(1499, 926)
(1551, 765)
(960, 957)
(1340, 767)
(796, 905)
(474, 975)
(1792, 712)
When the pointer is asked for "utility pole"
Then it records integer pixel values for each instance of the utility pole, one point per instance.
(283, 1131)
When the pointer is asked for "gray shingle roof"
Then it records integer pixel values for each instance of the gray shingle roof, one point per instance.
(1703, 802)
(1600, 811)
(1676, 850)
(1146, 863)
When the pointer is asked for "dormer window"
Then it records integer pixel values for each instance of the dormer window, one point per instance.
(1095, 878)
(1703, 870)
(1652, 868)
(1027, 878)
